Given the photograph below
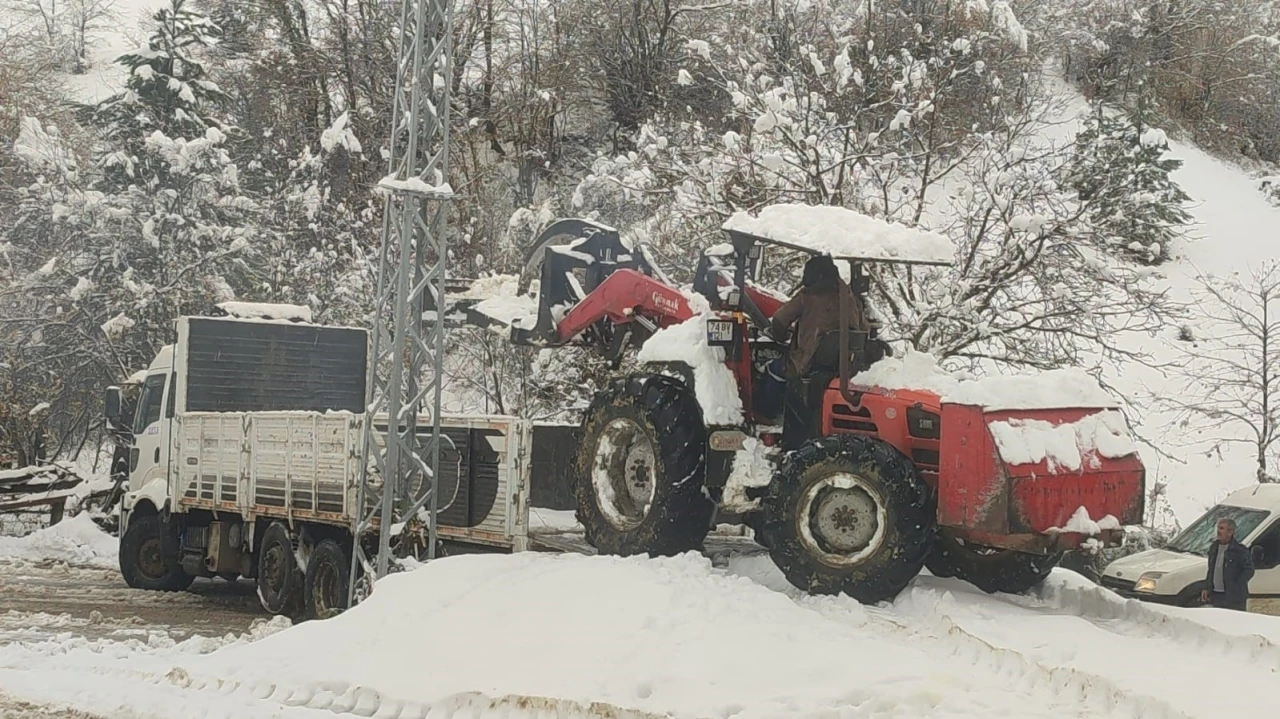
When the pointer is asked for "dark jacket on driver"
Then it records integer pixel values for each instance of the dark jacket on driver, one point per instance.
(1237, 570)
(814, 313)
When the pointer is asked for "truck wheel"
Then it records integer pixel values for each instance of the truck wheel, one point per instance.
(279, 577)
(850, 514)
(641, 467)
(987, 568)
(151, 556)
(327, 581)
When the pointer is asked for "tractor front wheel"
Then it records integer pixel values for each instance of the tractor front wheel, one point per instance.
(641, 467)
(850, 514)
(987, 568)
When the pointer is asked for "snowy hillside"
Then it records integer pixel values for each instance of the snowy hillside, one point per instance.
(124, 32)
(1235, 230)
(534, 635)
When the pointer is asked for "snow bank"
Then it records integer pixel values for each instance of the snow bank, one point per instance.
(668, 637)
(76, 541)
(713, 382)
(1069, 445)
(1054, 389)
(839, 232)
(266, 311)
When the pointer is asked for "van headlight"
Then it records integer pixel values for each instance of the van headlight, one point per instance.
(1147, 582)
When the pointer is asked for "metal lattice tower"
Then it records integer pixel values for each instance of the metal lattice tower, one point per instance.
(401, 462)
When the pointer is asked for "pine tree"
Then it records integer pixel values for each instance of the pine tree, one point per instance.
(166, 92)
(1121, 172)
(181, 229)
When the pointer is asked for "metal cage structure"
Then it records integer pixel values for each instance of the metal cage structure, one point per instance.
(400, 461)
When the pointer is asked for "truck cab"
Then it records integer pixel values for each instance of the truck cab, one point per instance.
(151, 422)
(1175, 573)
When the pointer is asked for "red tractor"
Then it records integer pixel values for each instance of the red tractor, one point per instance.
(990, 489)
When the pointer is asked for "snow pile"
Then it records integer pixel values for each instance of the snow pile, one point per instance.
(488, 287)
(669, 637)
(76, 541)
(1069, 445)
(1055, 389)
(1082, 523)
(713, 382)
(751, 468)
(416, 186)
(839, 232)
(553, 521)
(499, 299)
(339, 134)
(266, 311)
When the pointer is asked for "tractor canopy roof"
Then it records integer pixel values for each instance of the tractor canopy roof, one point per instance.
(843, 234)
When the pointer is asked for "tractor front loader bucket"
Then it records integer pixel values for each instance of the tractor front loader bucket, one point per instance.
(1041, 480)
(568, 272)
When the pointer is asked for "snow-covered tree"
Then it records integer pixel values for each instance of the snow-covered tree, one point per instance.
(1231, 366)
(1121, 169)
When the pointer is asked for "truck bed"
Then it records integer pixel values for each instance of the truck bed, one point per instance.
(302, 465)
(306, 466)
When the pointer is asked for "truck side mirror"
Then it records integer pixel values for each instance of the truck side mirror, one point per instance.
(112, 405)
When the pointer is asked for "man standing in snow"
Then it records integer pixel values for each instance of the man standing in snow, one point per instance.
(1230, 569)
(815, 312)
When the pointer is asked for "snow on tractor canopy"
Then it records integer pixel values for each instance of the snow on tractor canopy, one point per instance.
(890, 465)
(843, 234)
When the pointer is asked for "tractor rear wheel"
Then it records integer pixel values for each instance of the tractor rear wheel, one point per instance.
(850, 514)
(641, 467)
(987, 568)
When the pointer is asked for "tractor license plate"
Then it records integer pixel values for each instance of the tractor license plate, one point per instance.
(720, 332)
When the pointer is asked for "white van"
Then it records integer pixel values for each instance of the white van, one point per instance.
(1175, 574)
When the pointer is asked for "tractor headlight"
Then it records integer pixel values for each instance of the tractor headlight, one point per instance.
(1147, 582)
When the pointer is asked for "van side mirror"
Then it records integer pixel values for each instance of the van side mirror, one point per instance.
(1258, 554)
(112, 405)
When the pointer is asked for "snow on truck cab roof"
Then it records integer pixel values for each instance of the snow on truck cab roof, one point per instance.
(843, 234)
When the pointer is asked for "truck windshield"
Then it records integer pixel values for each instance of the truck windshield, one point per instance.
(1196, 538)
(150, 402)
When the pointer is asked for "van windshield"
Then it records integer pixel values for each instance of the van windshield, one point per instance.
(1196, 538)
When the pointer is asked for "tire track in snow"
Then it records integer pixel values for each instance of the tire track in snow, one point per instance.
(344, 699)
(1134, 618)
(1086, 692)
(1089, 692)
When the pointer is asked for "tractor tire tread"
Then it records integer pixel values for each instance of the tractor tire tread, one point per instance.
(680, 516)
(910, 508)
(1008, 572)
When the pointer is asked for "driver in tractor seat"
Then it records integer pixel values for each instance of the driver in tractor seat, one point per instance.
(812, 358)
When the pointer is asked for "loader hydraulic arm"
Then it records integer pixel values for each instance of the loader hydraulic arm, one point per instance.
(620, 298)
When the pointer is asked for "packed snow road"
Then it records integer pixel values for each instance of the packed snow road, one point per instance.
(543, 635)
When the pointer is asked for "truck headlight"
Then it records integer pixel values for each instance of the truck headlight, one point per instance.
(1147, 582)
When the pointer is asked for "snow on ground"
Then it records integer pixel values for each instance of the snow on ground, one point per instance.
(125, 32)
(570, 636)
(76, 540)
